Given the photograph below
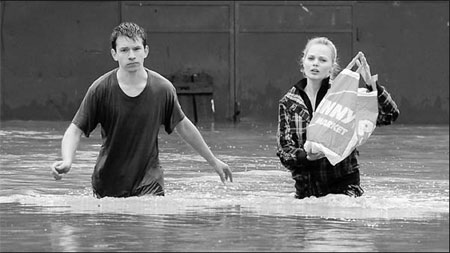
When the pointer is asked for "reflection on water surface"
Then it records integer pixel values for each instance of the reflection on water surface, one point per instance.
(405, 207)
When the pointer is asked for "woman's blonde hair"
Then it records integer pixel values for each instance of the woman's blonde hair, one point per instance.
(323, 41)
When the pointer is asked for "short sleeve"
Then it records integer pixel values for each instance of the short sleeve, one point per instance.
(173, 113)
(86, 116)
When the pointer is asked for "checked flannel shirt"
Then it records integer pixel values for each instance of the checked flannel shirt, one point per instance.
(295, 113)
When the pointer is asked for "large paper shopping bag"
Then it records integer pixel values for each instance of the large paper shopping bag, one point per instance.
(344, 119)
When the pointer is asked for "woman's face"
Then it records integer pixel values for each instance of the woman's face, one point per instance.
(318, 64)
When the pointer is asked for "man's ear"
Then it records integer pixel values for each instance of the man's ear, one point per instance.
(114, 54)
(146, 50)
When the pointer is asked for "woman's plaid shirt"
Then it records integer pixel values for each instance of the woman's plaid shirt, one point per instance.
(295, 112)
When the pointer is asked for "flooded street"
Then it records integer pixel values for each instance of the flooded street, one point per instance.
(404, 172)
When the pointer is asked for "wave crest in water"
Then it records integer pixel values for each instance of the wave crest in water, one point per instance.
(204, 193)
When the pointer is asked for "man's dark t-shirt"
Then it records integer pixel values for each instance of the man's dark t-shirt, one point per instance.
(129, 157)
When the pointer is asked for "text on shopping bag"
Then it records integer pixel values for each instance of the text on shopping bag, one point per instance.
(342, 114)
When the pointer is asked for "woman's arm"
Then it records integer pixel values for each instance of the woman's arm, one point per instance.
(289, 139)
(387, 108)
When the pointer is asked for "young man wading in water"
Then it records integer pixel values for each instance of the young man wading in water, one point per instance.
(130, 103)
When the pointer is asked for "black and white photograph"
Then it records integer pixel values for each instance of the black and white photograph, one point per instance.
(224, 126)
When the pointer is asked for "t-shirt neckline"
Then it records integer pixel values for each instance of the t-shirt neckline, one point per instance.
(123, 92)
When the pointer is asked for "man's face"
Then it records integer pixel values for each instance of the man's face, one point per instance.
(129, 53)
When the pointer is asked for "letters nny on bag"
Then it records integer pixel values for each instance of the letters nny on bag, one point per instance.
(344, 119)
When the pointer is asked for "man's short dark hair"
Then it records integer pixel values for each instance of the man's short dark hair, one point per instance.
(131, 30)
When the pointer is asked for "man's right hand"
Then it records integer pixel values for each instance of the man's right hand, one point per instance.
(59, 168)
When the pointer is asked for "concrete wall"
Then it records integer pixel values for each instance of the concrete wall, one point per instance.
(270, 39)
(52, 51)
(189, 38)
(408, 43)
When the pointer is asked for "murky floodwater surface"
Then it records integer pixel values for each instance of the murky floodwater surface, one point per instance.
(405, 207)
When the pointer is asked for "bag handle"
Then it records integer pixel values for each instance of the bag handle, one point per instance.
(361, 62)
(356, 61)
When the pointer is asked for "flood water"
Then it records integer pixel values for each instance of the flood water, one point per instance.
(404, 172)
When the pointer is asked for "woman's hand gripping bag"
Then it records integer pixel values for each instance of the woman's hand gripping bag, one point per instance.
(344, 119)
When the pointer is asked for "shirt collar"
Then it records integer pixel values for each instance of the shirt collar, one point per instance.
(300, 85)
(324, 85)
